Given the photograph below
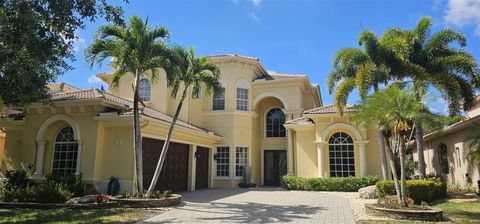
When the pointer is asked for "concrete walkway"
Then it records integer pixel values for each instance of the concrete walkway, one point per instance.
(259, 205)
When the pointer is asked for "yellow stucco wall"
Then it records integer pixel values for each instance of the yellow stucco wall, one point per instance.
(306, 139)
(458, 161)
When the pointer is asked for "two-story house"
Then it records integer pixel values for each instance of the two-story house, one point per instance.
(90, 132)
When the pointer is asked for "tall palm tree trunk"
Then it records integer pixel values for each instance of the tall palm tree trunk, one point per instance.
(419, 144)
(166, 144)
(381, 143)
(401, 153)
(389, 154)
(383, 157)
(138, 139)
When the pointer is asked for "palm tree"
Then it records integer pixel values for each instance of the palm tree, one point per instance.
(361, 69)
(433, 61)
(137, 50)
(474, 153)
(393, 109)
(191, 73)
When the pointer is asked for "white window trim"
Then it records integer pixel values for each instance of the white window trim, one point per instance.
(237, 99)
(52, 154)
(249, 160)
(150, 92)
(229, 163)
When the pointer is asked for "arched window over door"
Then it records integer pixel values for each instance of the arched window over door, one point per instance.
(274, 123)
(443, 154)
(65, 153)
(341, 155)
(144, 89)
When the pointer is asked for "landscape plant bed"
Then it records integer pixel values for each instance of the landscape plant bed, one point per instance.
(414, 213)
(32, 205)
(172, 200)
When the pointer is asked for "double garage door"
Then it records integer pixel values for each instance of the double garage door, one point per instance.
(174, 175)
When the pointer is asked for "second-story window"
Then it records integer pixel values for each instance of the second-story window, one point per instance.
(274, 122)
(242, 99)
(219, 100)
(144, 90)
(197, 94)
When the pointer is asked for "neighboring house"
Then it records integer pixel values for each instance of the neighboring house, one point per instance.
(446, 150)
(2, 143)
(90, 132)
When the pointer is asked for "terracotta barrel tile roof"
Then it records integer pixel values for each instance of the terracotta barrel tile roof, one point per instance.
(330, 109)
(99, 94)
(281, 76)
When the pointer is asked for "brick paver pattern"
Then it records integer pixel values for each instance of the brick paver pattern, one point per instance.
(258, 205)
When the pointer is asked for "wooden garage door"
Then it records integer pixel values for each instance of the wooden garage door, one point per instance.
(174, 175)
(201, 179)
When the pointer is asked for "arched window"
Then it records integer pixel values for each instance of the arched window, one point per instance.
(341, 155)
(144, 89)
(65, 152)
(443, 154)
(274, 122)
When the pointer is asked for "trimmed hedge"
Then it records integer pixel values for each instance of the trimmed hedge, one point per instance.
(419, 190)
(329, 183)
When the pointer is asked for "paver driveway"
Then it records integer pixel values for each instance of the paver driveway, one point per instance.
(260, 205)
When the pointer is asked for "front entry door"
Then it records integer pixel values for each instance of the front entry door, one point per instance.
(275, 166)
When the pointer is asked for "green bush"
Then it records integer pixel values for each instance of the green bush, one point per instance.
(419, 190)
(55, 189)
(329, 183)
(15, 179)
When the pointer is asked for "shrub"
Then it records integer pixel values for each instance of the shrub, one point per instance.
(15, 179)
(418, 190)
(329, 183)
(70, 182)
(55, 189)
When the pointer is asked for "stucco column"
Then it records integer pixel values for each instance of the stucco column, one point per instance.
(290, 152)
(39, 159)
(363, 157)
(79, 157)
(320, 162)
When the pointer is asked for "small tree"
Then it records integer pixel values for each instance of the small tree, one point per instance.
(392, 109)
(137, 50)
(191, 73)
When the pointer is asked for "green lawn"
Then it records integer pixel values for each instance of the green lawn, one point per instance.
(74, 216)
(467, 212)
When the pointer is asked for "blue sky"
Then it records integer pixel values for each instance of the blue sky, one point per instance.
(288, 36)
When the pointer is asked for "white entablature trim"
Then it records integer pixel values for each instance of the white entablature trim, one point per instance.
(58, 117)
(345, 126)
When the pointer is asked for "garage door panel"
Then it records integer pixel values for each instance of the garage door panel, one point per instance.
(174, 175)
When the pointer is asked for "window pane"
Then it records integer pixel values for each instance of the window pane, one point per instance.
(219, 100)
(274, 123)
(242, 99)
(144, 89)
(65, 152)
(223, 161)
(341, 155)
(241, 159)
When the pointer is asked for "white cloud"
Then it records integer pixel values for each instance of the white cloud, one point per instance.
(464, 12)
(79, 44)
(94, 80)
(253, 16)
(256, 3)
(271, 72)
